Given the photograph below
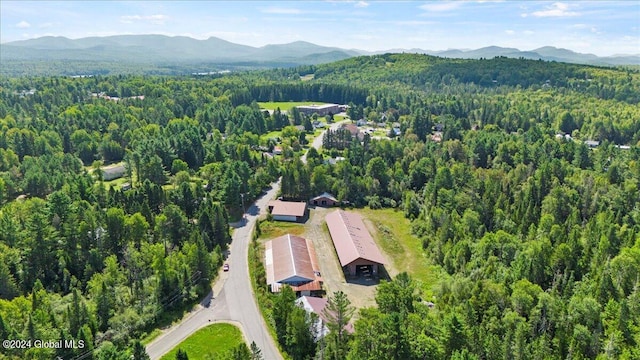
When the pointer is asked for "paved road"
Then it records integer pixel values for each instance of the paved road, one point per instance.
(232, 299)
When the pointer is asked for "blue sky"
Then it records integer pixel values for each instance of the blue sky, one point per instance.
(598, 27)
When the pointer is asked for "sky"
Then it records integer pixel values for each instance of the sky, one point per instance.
(602, 28)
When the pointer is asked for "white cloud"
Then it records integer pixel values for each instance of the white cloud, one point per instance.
(509, 32)
(361, 4)
(557, 9)
(529, 32)
(157, 19)
(441, 6)
(279, 10)
(23, 25)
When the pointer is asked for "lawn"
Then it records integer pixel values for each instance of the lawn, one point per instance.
(115, 183)
(395, 238)
(286, 105)
(209, 342)
(273, 229)
(379, 132)
(272, 134)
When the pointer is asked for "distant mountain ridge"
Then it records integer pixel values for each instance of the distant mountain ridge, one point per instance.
(160, 48)
(180, 50)
(547, 53)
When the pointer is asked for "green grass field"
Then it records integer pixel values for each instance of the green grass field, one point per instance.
(272, 134)
(209, 342)
(395, 238)
(285, 105)
(380, 133)
(273, 229)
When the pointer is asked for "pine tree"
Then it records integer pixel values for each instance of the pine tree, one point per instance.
(299, 341)
(139, 352)
(104, 308)
(338, 313)
(182, 355)
(256, 353)
(282, 308)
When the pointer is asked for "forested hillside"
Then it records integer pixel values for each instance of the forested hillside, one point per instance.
(536, 232)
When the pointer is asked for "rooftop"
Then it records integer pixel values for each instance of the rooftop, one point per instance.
(351, 238)
(315, 106)
(325, 195)
(291, 259)
(317, 305)
(288, 208)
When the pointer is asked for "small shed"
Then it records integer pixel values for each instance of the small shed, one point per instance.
(325, 199)
(592, 143)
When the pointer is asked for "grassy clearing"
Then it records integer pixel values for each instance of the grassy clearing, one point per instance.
(270, 135)
(209, 342)
(273, 229)
(285, 105)
(395, 238)
(378, 132)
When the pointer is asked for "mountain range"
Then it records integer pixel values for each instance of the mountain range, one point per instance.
(160, 49)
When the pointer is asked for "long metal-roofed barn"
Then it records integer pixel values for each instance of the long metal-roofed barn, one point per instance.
(354, 245)
(291, 260)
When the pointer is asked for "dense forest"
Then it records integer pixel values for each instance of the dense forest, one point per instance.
(536, 232)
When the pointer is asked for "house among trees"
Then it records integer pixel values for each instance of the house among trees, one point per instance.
(294, 211)
(355, 131)
(325, 199)
(592, 143)
(356, 249)
(291, 260)
(317, 305)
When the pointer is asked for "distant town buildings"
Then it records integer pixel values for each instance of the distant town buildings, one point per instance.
(321, 110)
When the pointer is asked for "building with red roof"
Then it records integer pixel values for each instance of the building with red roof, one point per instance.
(291, 260)
(294, 211)
(356, 249)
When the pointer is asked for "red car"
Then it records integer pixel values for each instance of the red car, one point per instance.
(225, 267)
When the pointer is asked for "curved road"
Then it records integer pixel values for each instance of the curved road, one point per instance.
(232, 299)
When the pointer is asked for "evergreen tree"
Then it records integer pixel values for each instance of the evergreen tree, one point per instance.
(181, 355)
(283, 306)
(256, 353)
(338, 312)
(139, 352)
(299, 341)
